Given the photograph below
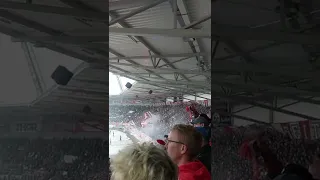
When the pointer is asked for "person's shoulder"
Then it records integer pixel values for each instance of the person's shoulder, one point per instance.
(201, 173)
(192, 176)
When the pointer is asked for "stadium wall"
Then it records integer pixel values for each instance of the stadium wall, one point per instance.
(49, 127)
(49, 135)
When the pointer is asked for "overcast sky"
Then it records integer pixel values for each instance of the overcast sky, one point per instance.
(115, 88)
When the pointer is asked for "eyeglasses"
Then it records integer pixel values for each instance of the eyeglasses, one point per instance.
(167, 141)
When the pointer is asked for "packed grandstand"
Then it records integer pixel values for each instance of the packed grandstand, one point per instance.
(58, 159)
(62, 134)
(67, 158)
(229, 156)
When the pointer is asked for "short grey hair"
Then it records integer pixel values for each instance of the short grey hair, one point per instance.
(143, 162)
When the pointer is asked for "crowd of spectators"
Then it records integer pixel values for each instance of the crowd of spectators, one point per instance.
(62, 159)
(227, 162)
(80, 159)
(164, 116)
(226, 141)
(46, 158)
(169, 114)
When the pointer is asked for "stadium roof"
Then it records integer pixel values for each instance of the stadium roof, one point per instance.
(78, 29)
(117, 84)
(257, 49)
(165, 62)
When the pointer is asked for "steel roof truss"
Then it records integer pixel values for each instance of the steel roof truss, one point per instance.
(54, 10)
(136, 11)
(147, 45)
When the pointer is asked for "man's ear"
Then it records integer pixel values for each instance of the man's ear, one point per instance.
(183, 149)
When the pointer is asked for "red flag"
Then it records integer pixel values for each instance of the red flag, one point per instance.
(305, 129)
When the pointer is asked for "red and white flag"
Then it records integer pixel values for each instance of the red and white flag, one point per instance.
(146, 119)
(147, 115)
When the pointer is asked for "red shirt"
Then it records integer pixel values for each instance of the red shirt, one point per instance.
(194, 171)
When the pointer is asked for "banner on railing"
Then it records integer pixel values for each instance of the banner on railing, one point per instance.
(308, 130)
(26, 127)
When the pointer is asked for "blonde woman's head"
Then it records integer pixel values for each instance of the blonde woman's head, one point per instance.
(143, 162)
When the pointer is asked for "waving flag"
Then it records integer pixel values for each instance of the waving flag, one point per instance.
(147, 115)
(145, 121)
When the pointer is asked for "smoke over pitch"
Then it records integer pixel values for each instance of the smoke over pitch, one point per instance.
(156, 126)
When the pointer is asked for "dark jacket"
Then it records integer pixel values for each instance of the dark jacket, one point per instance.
(205, 157)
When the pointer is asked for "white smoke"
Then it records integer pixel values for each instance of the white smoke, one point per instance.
(156, 128)
(153, 126)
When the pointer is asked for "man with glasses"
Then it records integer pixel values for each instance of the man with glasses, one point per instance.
(183, 146)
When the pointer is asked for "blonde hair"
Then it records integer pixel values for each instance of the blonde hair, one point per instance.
(143, 162)
(190, 137)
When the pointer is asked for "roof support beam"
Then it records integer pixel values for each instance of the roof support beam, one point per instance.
(54, 10)
(119, 83)
(160, 56)
(295, 97)
(224, 32)
(81, 98)
(258, 48)
(231, 32)
(280, 91)
(253, 102)
(238, 116)
(165, 70)
(166, 86)
(136, 11)
(198, 84)
(132, 62)
(247, 52)
(232, 45)
(71, 40)
(127, 4)
(160, 32)
(85, 98)
(271, 88)
(195, 23)
(84, 91)
(184, 19)
(293, 103)
(35, 25)
(149, 46)
(28, 23)
(304, 71)
(69, 101)
(171, 84)
(80, 5)
(126, 72)
(176, 61)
